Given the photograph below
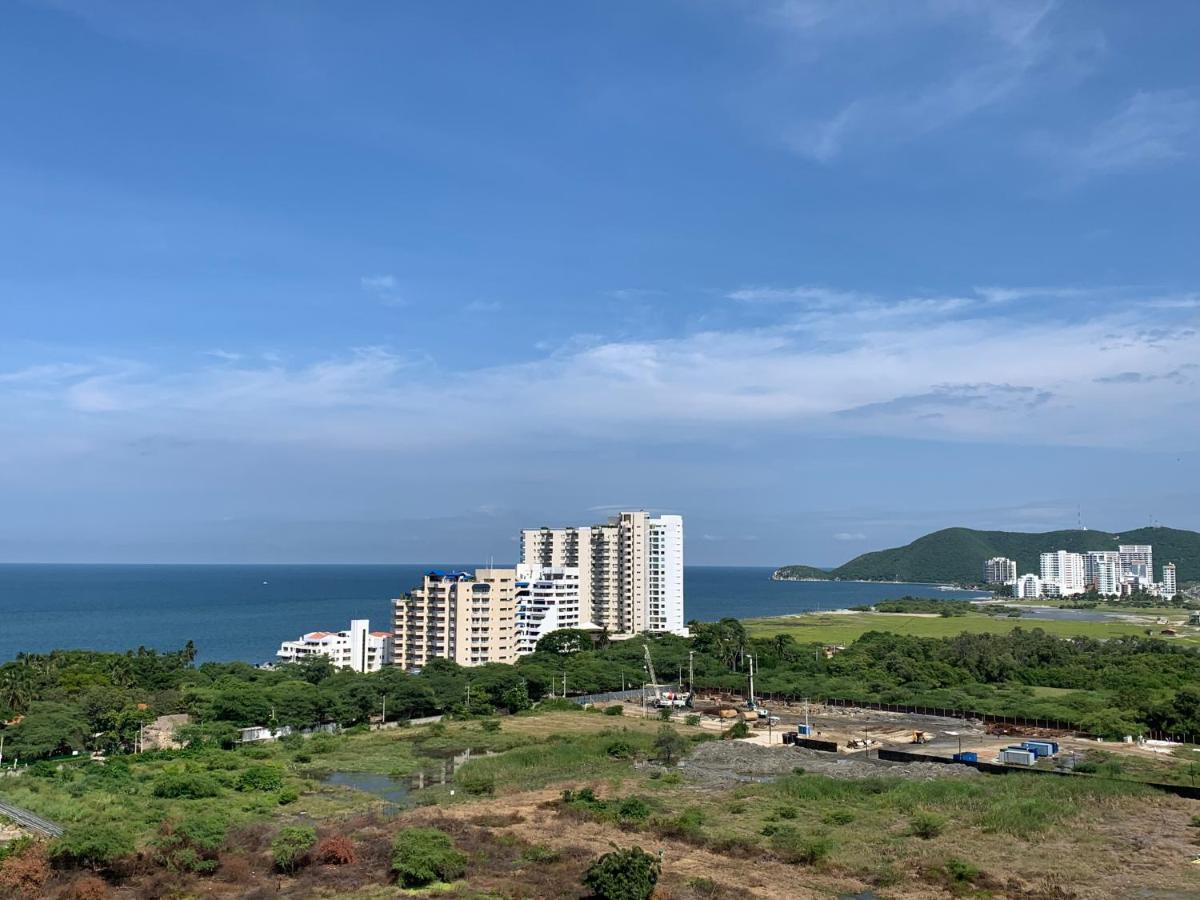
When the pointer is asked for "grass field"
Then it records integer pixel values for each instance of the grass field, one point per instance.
(842, 628)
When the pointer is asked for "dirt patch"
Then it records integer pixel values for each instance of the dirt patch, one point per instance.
(730, 762)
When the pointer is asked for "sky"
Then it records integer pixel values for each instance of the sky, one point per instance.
(378, 282)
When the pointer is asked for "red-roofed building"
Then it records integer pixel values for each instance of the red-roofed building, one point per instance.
(357, 648)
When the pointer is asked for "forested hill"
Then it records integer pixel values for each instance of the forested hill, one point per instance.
(957, 554)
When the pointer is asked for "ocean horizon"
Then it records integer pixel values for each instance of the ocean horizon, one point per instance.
(243, 611)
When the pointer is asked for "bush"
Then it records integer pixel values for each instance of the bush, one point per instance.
(474, 781)
(633, 809)
(24, 868)
(616, 709)
(93, 845)
(540, 854)
(619, 748)
(185, 786)
(838, 817)
(737, 730)
(291, 846)
(288, 795)
(260, 778)
(623, 875)
(292, 741)
(665, 714)
(421, 856)
(322, 743)
(794, 847)
(961, 872)
(491, 726)
(692, 720)
(926, 825)
(335, 850)
(88, 887)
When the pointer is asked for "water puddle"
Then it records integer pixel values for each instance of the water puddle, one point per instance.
(397, 792)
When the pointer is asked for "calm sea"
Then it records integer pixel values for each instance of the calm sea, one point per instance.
(243, 612)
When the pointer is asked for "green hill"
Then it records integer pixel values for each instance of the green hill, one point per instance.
(957, 554)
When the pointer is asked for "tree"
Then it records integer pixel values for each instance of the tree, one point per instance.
(46, 729)
(669, 745)
(16, 687)
(623, 875)
(93, 844)
(565, 641)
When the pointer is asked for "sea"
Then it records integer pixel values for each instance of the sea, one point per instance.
(243, 612)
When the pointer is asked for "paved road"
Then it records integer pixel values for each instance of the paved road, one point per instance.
(26, 819)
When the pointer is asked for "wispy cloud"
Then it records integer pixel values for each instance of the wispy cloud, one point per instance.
(913, 366)
(1151, 128)
(998, 50)
(849, 536)
(383, 288)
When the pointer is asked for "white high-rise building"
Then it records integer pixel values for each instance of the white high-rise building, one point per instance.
(999, 570)
(1065, 572)
(1137, 564)
(548, 599)
(1103, 571)
(630, 569)
(358, 649)
(1170, 585)
(1027, 587)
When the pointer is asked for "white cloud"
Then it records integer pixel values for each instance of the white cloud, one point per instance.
(383, 288)
(1150, 128)
(919, 367)
(849, 536)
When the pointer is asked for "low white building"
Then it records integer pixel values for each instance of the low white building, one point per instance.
(548, 598)
(357, 648)
(1027, 587)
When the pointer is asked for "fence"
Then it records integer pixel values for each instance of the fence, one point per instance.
(814, 744)
(1179, 790)
(585, 699)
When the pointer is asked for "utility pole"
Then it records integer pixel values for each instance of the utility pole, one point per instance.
(691, 673)
(807, 727)
(383, 720)
(469, 697)
(751, 659)
(564, 685)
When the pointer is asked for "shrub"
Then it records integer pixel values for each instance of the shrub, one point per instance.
(633, 809)
(24, 869)
(692, 720)
(669, 744)
(185, 786)
(421, 856)
(737, 730)
(961, 872)
(288, 795)
(616, 709)
(786, 812)
(260, 778)
(491, 726)
(335, 850)
(540, 854)
(302, 756)
(93, 845)
(322, 743)
(794, 847)
(665, 713)
(89, 887)
(474, 781)
(619, 748)
(292, 741)
(291, 846)
(623, 875)
(838, 817)
(736, 808)
(926, 825)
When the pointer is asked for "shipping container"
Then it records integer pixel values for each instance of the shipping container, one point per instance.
(1041, 748)
(1015, 756)
(804, 729)
(966, 756)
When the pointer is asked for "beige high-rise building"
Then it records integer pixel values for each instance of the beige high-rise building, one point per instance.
(454, 615)
(631, 569)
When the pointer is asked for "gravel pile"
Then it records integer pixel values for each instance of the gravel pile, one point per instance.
(739, 761)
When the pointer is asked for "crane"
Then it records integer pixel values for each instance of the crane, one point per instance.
(653, 677)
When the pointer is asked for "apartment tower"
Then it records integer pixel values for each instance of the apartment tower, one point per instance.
(470, 619)
(1170, 585)
(630, 569)
(999, 570)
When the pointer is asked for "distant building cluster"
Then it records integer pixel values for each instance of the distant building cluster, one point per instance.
(1112, 573)
(624, 576)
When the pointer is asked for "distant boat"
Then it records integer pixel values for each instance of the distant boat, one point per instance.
(266, 582)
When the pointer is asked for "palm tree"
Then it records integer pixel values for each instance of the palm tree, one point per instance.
(16, 688)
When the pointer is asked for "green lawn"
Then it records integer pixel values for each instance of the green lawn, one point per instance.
(843, 628)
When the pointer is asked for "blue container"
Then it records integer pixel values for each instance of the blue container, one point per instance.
(804, 729)
(966, 756)
(1041, 748)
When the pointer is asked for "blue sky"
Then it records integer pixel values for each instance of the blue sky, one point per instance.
(385, 282)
